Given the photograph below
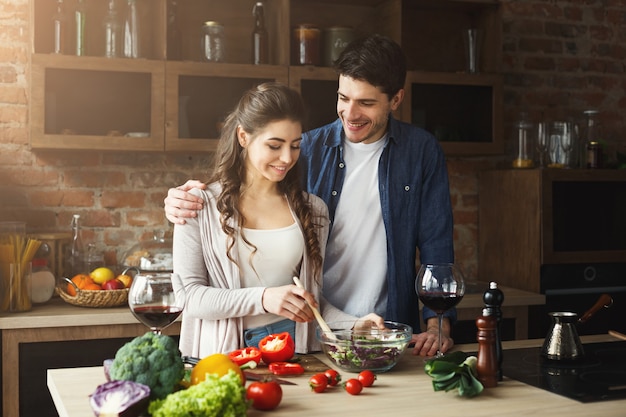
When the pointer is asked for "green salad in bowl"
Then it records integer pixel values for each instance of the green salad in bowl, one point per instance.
(357, 348)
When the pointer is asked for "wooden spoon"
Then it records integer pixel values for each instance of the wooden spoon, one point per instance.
(316, 312)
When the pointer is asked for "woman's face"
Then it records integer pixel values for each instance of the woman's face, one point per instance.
(272, 151)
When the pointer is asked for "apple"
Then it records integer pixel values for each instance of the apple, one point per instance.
(113, 284)
(125, 279)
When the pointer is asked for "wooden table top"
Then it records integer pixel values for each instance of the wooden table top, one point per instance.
(405, 390)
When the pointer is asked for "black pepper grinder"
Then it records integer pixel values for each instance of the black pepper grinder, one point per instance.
(487, 364)
(493, 299)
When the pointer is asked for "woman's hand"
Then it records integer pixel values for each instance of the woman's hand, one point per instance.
(179, 204)
(290, 302)
(369, 321)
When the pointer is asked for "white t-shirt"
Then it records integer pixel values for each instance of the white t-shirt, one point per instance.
(275, 263)
(355, 268)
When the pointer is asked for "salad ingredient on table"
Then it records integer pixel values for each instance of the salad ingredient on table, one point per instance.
(153, 360)
(318, 382)
(353, 386)
(333, 376)
(278, 347)
(367, 378)
(286, 368)
(245, 355)
(120, 398)
(215, 396)
(456, 370)
(265, 395)
(217, 364)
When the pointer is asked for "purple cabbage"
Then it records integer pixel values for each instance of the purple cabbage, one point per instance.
(120, 398)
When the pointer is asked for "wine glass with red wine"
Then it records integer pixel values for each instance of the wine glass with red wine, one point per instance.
(440, 287)
(156, 300)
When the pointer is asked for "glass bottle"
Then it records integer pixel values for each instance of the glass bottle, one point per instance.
(524, 143)
(260, 49)
(59, 26)
(131, 31)
(80, 14)
(592, 149)
(173, 32)
(111, 32)
(76, 252)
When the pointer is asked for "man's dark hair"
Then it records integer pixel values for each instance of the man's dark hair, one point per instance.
(376, 59)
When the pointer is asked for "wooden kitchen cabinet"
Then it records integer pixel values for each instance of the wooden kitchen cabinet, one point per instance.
(159, 104)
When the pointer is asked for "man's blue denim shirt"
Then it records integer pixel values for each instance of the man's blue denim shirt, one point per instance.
(415, 199)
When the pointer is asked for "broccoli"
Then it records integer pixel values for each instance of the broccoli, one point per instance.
(153, 360)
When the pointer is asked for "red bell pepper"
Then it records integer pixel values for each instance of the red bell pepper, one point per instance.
(286, 368)
(245, 355)
(277, 347)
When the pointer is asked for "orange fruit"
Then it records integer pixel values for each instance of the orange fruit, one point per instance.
(81, 281)
(92, 287)
(126, 280)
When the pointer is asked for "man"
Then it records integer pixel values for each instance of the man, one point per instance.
(386, 186)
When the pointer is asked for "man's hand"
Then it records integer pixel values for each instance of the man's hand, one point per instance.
(179, 204)
(427, 343)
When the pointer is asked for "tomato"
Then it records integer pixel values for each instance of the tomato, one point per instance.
(218, 364)
(277, 347)
(265, 395)
(333, 377)
(318, 382)
(367, 378)
(286, 368)
(245, 355)
(353, 386)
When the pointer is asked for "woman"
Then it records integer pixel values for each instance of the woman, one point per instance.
(257, 231)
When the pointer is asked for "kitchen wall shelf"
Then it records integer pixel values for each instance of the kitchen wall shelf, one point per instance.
(180, 102)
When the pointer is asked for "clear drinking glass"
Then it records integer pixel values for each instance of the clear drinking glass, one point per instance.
(156, 300)
(440, 287)
(541, 143)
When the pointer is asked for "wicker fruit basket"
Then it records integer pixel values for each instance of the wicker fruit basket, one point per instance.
(92, 298)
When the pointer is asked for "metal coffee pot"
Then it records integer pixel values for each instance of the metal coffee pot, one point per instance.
(562, 341)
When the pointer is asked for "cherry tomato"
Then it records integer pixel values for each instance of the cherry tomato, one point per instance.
(333, 377)
(367, 378)
(245, 355)
(318, 382)
(353, 386)
(277, 347)
(265, 395)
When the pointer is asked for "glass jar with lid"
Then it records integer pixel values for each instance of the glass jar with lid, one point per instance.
(153, 255)
(212, 41)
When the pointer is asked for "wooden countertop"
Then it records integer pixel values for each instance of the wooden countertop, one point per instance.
(405, 390)
(58, 313)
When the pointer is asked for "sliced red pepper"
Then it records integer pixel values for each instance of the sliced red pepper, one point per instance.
(245, 355)
(278, 347)
(286, 368)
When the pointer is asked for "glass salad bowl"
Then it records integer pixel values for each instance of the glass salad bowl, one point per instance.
(355, 348)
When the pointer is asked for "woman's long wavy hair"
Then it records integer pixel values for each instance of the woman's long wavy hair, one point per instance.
(259, 106)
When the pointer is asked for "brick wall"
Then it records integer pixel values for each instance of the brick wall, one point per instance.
(559, 58)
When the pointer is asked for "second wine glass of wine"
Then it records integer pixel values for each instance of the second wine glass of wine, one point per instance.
(440, 287)
(156, 300)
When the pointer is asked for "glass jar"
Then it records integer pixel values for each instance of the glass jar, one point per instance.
(212, 42)
(43, 281)
(524, 142)
(153, 255)
(336, 39)
(306, 45)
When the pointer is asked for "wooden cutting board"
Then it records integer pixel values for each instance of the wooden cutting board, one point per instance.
(310, 363)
